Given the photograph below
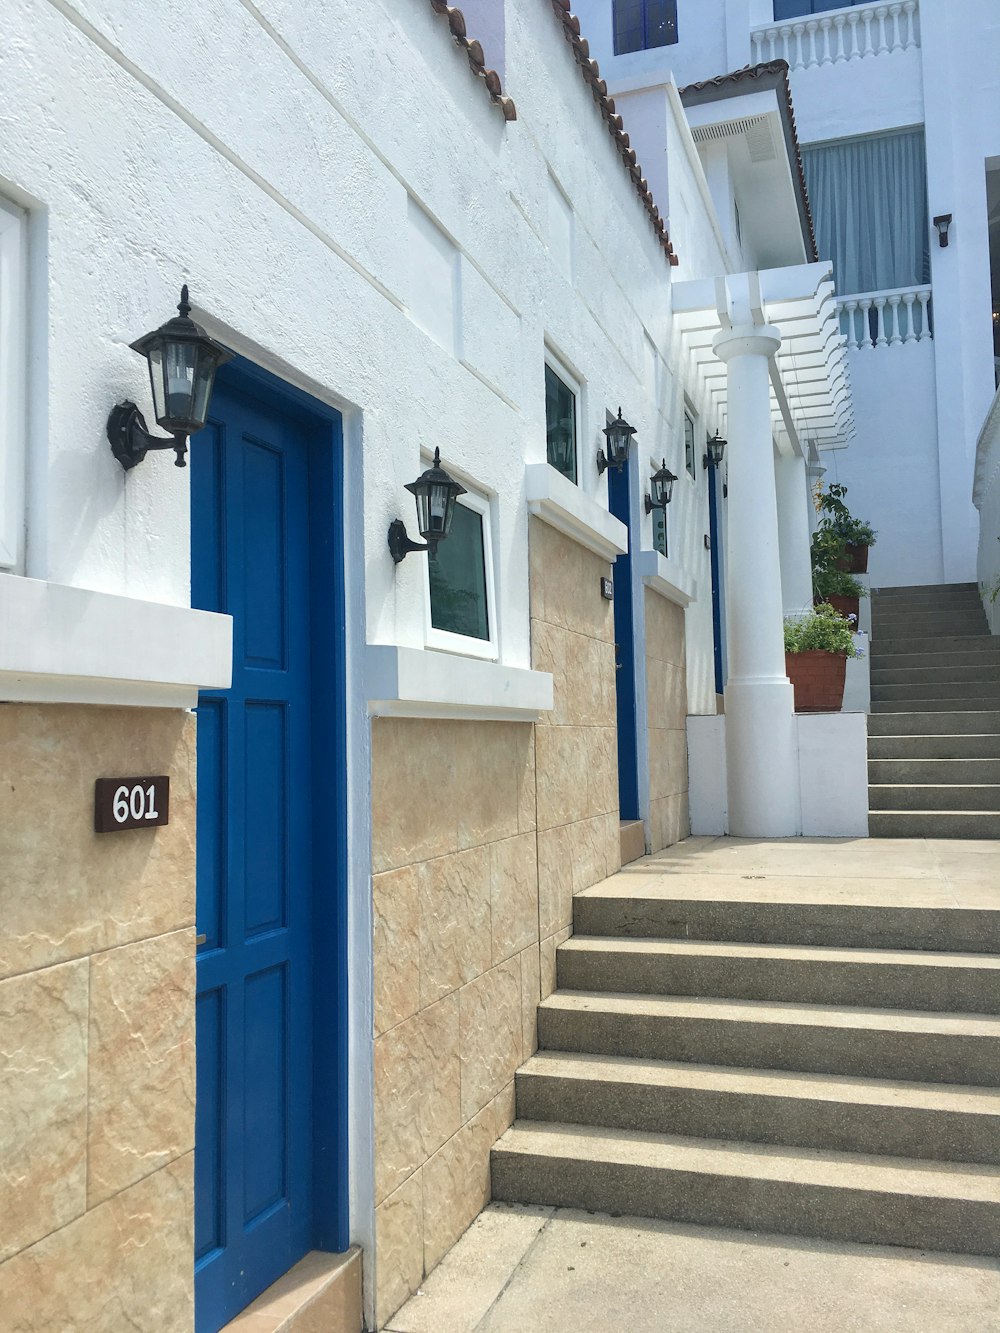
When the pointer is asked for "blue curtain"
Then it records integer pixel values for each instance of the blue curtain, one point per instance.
(869, 203)
(793, 9)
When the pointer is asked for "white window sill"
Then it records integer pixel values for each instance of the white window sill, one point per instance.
(555, 500)
(667, 577)
(60, 644)
(413, 682)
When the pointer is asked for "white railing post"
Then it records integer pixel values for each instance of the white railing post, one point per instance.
(866, 324)
(897, 36)
(852, 23)
(867, 15)
(825, 26)
(896, 339)
(895, 320)
(908, 300)
(924, 297)
(912, 37)
(878, 29)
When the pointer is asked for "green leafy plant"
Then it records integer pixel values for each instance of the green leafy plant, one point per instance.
(823, 630)
(828, 581)
(837, 518)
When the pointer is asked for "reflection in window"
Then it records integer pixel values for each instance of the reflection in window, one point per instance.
(641, 24)
(457, 577)
(689, 458)
(560, 424)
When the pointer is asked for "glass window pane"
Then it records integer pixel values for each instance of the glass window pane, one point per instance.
(641, 24)
(661, 22)
(458, 578)
(560, 424)
(689, 459)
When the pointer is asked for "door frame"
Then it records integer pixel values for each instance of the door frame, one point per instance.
(323, 427)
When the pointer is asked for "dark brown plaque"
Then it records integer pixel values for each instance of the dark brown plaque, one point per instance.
(126, 803)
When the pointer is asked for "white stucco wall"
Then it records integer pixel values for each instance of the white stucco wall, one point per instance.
(987, 500)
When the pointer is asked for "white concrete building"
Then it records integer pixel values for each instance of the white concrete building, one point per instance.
(889, 146)
(414, 230)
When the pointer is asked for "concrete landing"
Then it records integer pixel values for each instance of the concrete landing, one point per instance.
(561, 1271)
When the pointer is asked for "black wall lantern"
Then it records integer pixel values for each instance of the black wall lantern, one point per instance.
(943, 225)
(435, 494)
(661, 488)
(182, 361)
(619, 436)
(715, 449)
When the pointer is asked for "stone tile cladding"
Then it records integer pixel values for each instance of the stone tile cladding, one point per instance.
(576, 746)
(456, 976)
(666, 705)
(97, 1015)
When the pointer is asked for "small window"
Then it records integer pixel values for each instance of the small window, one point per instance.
(460, 583)
(739, 228)
(642, 24)
(689, 458)
(560, 424)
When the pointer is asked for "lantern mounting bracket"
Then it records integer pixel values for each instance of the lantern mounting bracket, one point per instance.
(131, 441)
(400, 544)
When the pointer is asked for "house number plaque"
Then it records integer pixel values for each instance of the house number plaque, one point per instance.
(125, 803)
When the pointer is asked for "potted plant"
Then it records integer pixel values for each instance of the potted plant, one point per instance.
(817, 647)
(841, 590)
(838, 521)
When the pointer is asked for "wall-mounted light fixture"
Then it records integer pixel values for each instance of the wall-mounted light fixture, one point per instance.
(182, 361)
(619, 436)
(435, 494)
(943, 224)
(715, 449)
(661, 488)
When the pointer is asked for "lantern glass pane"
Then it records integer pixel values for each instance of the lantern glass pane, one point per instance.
(560, 424)
(203, 379)
(457, 576)
(179, 362)
(438, 509)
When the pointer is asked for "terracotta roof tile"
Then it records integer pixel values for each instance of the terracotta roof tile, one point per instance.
(757, 73)
(477, 60)
(599, 89)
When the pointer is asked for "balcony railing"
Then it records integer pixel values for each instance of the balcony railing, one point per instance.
(844, 34)
(886, 319)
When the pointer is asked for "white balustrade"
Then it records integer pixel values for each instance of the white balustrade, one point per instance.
(845, 34)
(871, 320)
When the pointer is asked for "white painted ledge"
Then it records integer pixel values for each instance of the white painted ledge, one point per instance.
(555, 500)
(60, 644)
(415, 682)
(667, 577)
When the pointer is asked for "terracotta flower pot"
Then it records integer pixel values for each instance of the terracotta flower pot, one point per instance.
(854, 560)
(818, 679)
(845, 606)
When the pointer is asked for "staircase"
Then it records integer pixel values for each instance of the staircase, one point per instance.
(755, 1063)
(934, 730)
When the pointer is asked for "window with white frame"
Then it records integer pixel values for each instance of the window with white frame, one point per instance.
(690, 461)
(13, 365)
(561, 408)
(461, 601)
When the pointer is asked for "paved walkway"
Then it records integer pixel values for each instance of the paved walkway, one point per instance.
(543, 1270)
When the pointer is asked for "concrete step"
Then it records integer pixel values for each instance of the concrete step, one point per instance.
(926, 626)
(943, 772)
(928, 589)
(632, 840)
(875, 1043)
(986, 672)
(963, 605)
(794, 974)
(957, 722)
(932, 1121)
(933, 823)
(805, 1192)
(610, 910)
(949, 748)
(936, 689)
(933, 797)
(974, 704)
(947, 596)
(890, 645)
(988, 659)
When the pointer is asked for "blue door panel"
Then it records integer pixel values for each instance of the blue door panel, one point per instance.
(253, 520)
(628, 762)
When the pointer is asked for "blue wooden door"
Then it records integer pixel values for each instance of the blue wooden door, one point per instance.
(254, 1170)
(628, 763)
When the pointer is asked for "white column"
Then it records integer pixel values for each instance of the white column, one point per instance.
(761, 751)
(793, 534)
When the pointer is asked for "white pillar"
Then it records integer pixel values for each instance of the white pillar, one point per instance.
(761, 752)
(793, 534)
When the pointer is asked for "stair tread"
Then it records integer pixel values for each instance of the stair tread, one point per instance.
(803, 953)
(792, 891)
(895, 1093)
(796, 1166)
(777, 1012)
